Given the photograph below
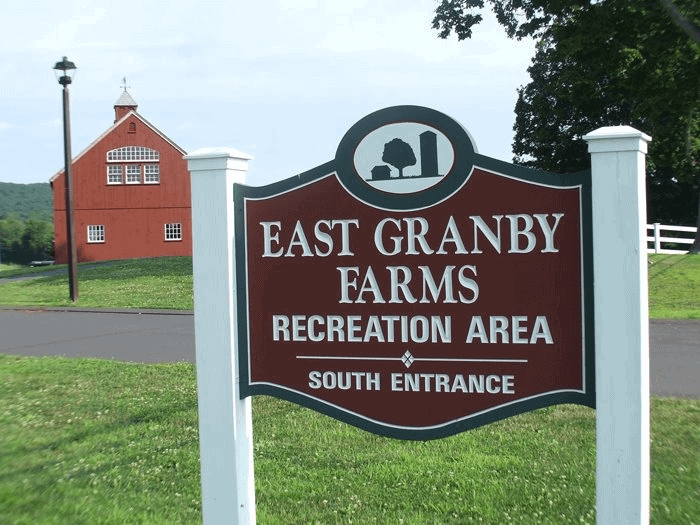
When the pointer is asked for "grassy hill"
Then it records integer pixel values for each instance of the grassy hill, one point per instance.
(166, 282)
(25, 200)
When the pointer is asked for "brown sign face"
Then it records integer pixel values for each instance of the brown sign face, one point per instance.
(412, 287)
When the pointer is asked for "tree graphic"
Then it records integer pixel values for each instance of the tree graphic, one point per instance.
(399, 154)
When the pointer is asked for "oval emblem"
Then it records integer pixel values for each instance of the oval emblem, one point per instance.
(406, 157)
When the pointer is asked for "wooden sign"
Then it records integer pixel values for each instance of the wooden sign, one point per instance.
(413, 287)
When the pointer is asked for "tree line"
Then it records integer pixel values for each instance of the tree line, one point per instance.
(26, 240)
(26, 222)
(605, 63)
(25, 199)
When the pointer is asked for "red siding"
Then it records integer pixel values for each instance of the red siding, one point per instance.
(134, 216)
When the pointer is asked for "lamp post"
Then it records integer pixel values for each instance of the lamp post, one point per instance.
(67, 67)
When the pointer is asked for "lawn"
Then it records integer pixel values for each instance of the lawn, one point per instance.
(14, 270)
(674, 286)
(101, 442)
(81, 449)
(166, 282)
(161, 283)
(6, 268)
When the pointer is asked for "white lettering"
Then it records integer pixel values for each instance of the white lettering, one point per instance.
(454, 238)
(268, 237)
(516, 233)
(459, 383)
(299, 239)
(370, 285)
(469, 284)
(414, 236)
(400, 284)
(379, 237)
(358, 329)
(541, 331)
(346, 282)
(547, 231)
(280, 327)
(517, 329)
(493, 238)
(345, 234)
(323, 237)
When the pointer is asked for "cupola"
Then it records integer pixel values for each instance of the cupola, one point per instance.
(124, 104)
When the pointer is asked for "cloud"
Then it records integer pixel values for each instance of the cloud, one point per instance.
(66, 33)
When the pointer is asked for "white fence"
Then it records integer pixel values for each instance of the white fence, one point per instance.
(657, 239)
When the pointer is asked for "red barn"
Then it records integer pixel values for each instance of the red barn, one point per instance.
(131, 194)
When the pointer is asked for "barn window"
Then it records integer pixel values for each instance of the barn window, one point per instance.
(115, 174)
(133, 173)
(151, 173)
(173, 232)
(96, 233)
(133, 153)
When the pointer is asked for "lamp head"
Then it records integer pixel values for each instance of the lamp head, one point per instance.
(68, 69)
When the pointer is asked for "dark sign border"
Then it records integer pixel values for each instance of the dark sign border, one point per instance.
(466, 159)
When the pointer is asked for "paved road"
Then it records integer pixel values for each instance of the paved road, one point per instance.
(156, 337)
(140, 337)
(674, 358)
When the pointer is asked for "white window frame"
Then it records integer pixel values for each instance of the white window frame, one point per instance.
(173, 231)
(95, 233)
(115, 174)
(130, 172)
(151, 174)
(133, 153)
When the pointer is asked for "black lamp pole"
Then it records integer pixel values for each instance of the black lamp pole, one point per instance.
(67, 66)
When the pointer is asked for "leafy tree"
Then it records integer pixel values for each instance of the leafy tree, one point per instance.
(399, 154)
(601, 63)
(25, 241)
(11, 232)
(37, 241)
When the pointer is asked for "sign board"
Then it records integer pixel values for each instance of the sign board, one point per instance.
(413, 287)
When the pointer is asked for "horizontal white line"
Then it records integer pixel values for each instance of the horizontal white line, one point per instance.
(470, 360)
(349, 358)
(449, 360)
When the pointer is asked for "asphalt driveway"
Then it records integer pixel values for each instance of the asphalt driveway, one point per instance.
(156, 336)
(146, 337)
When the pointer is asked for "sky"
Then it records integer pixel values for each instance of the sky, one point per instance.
(281, 80)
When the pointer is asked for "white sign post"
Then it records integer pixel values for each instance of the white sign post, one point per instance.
(225, 423)
(621, 324)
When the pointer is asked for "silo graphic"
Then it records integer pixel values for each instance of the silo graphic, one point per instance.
(428, 154)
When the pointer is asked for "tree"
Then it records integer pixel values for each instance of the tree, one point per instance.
(37, 241)
(603, 63)
(11, 232)
(399, 154)
(25, 241)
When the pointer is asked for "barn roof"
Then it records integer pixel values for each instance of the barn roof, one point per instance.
(109, 130)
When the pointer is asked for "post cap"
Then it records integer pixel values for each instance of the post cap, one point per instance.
(616, 138)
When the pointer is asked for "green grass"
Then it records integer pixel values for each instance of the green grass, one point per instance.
(16, 270)
(7, 269)
(164, 282)
(674, 286)
(77, 448)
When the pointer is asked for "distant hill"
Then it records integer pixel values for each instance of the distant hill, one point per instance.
(26, 199)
